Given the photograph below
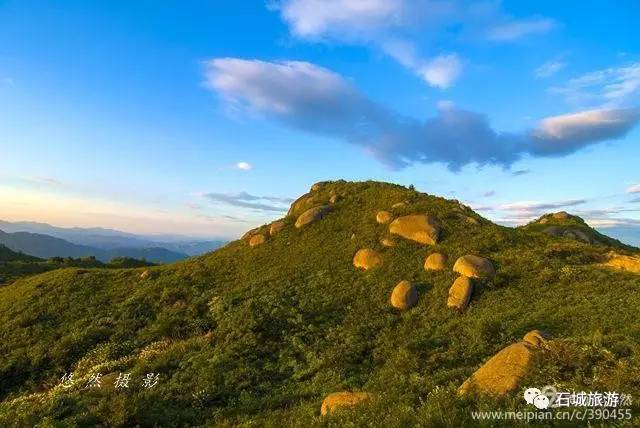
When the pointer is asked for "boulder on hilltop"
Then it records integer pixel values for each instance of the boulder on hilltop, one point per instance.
(367, 258)
(460, 293)
(474, 267)
(435, 261)
(502, 373)
(341, 400)
(404, 295)
(312, 215)
(420, 228)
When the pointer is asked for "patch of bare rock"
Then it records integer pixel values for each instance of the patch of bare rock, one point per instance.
(420, 228)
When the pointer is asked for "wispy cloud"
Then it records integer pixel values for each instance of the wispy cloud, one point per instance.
(395, 27)
(613, 86)
(520, 172)
(517, 29)
(246, 200)
(314, 99)
(549, 68)
(49, 181)
(489, 193)
(634, 188)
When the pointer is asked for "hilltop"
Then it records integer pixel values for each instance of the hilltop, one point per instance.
(260, 331)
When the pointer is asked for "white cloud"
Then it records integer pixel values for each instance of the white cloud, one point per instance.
(517, 29)
(549, 68)
(442, 71)
(566, 133)
(316, 100)
(396, 27)
(244, 166)
(613, 86)
(635, 188)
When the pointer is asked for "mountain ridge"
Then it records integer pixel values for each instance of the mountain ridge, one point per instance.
(262, 333)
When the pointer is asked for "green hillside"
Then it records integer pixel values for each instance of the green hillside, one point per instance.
(258, 336)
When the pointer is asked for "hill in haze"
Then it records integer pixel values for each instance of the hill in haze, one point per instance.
(110, 239)
(395, 299)
(45, 246)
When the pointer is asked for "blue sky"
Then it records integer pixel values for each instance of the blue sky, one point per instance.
(206, 117)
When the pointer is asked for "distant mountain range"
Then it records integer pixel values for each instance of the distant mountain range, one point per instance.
(44, 240)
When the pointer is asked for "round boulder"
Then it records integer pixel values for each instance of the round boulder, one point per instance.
(276, 227)
(256, 240)
(312, 215)
(145, 274)
(404, 296)
(435, 261)
(338, 400)
(383, 217)
(460, 293)
(474, 267)
(367, 258)
(417, 227)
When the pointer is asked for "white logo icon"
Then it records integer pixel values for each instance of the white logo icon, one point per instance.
(541, 402)
(530, 394)
(540, 399)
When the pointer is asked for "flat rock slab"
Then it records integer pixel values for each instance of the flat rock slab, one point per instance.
(502, 373)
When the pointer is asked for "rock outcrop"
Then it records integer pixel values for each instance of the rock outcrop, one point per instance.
(367, 258)
(341, 400)
(383, 217)
(460, 293)
(417, 227)
(502, 373)
(474, 267)
(435, 261)
(257, 239)
(276, 227)
(404, 296)
(312, 215)
(145, 274)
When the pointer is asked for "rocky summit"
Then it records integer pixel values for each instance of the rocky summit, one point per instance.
(368, 304)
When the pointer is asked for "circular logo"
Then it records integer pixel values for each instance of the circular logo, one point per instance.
(530, 394)
(541, 402)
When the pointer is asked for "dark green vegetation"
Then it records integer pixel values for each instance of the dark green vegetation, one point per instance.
(45, 246)
(17, 265)
(258, 336)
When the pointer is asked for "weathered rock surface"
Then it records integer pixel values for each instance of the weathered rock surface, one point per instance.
(367, 258)
(435, 261)
(417, 227)
(474, 267)
(404, 296)
(388, 242)
(460, 293)
(276, 227)
(383, 217)
(256, 240)
(562, 215)
(339, 400)
(145, 274)
(312, 215)
(536, 338)
(502, 373)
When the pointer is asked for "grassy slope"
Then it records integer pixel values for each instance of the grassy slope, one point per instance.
(292, 320)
